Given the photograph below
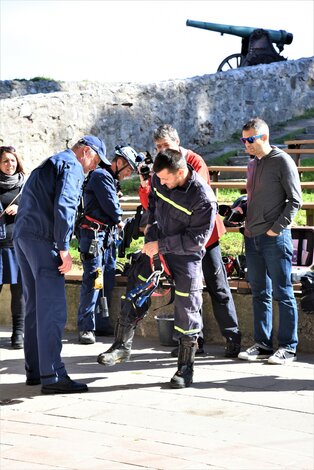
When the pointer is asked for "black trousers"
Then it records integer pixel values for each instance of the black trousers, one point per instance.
(216, 281)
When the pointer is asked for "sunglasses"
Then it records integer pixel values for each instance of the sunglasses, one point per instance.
(251, 139)
(4, 148)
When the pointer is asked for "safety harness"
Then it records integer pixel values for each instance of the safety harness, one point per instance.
(90, 223)
(153, 285)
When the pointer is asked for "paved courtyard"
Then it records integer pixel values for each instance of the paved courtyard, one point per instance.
(236, 416)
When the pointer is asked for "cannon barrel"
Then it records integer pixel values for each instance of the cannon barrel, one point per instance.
(277, 37)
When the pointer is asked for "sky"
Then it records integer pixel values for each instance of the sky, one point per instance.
(137, 41)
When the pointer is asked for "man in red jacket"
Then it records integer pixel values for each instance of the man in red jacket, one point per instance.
(165, 136)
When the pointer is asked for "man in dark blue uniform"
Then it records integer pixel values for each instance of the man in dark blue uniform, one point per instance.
(97, 227)
(182, 210)
(43, 229)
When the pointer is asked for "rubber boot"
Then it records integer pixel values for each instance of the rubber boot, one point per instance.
(199, 351)
(120, 351)
(184, 375)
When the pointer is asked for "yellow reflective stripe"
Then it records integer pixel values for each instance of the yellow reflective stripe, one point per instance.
(187, 332)
(177, 206)
(142, 278)
(182, 294)
(123, 297)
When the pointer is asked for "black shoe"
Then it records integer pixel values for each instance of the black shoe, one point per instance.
(65, 385)
(30, 381)
(17, 341)
(199, 351)
(232, 349)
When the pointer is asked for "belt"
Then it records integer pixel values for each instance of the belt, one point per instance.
(93, 224)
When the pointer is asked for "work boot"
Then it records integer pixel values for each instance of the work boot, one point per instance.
(199, 351)
(120, 351)
(184, 375)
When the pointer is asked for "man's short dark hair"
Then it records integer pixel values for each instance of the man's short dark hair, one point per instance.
(170, 160)
(255, 123)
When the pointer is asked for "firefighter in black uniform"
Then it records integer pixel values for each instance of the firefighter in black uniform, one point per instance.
(182, 211)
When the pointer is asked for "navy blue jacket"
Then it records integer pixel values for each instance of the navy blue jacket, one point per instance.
(49, 200)
(100, 198)
(185, 215)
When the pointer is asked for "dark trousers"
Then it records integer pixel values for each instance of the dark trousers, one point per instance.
(17, 307)
(186, 271)
(216, 281)
(46, 310)
(89, 316)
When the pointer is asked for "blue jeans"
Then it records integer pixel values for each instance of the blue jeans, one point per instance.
(269, 261)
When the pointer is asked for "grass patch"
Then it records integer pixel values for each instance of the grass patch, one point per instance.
(223, 159)
(290, 135)
(308, 176)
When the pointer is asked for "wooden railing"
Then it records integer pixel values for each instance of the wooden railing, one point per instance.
(215, 171)
(130, 204)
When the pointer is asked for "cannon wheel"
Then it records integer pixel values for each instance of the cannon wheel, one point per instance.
(233, 61)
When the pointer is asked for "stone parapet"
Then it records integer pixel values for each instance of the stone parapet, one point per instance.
(148, 327)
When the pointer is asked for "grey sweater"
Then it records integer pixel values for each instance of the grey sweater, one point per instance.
(274, 193)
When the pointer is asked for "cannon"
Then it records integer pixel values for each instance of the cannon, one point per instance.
(257, 44)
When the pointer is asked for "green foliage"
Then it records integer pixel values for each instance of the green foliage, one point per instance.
(308, 176)
(130, 186)
(308, 114)
(231, 244)
(223, 159)
(135, 246)
(290, 135)
(42, 79)
(75, 254)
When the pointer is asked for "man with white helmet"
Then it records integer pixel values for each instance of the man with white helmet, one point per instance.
(96, 232)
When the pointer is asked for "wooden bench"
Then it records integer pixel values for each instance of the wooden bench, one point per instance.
(308, 207)
(215, 171)
(295, 148)
(242, 185)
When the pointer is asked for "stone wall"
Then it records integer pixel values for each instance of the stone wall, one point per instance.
(40, 118)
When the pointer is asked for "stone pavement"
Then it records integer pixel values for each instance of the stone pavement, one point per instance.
(237, 415)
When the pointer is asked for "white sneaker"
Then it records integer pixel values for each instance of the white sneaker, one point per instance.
(87, 337)
(282, 356)
(255, 353)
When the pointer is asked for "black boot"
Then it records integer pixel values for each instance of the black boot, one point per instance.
(18, 314)
(120, 351)
(184, 375)
(199, 351)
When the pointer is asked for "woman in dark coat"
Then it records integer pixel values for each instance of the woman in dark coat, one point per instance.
(11, 182)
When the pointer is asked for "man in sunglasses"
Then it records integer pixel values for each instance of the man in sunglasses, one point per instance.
(274, 197)
(42, 233)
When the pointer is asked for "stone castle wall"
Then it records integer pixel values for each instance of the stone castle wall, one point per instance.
(40, 118)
